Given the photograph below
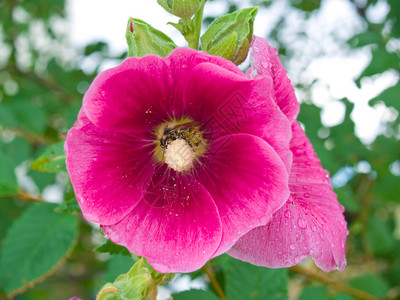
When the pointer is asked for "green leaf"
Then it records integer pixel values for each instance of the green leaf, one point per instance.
(390, 97)
(35, 245)
(371, 284)
(111, 248)
(314, 293)
(52, 160)
(306, 5)
(381, 239)
(365, 38)
(26, 114)
(343, 296)
(69, 204)
(246, 281)
(117, 265)
(230, 36)
(381, 61)
(8, 181)
(143, 39)
(195, 295)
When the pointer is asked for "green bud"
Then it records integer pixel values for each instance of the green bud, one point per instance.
(183, 9)
(230, 36)
(140, 283)
(143, 39)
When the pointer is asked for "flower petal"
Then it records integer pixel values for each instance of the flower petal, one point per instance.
(265, 61)
(310, 223)
(247, 181)
(108, 171)
(241, 106)
(176, 226)
(132, 97)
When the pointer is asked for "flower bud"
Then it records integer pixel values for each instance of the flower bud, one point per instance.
(143, 39)
(183, 9)
(230, 36)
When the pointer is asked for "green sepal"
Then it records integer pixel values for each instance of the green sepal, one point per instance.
(143, 39)
(230, 36)
(140, 283)
(183, 9)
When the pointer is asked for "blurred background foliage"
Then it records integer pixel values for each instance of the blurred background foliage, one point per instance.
(47, 249)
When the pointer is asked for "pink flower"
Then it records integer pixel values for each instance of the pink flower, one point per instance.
(311, 222)
(178, 157)
(181, 158)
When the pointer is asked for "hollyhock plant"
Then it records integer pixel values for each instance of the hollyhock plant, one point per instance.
(183, 158)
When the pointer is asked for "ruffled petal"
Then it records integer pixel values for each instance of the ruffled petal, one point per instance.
(265, 61)
(310, 223)
(176, 226)
(241, 106)
(109, 172)
(133, 97)
(247, 181)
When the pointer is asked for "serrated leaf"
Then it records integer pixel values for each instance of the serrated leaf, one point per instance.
(246, 281)
(111, 248)
(52, 160)
(34, 246)
(195, 295)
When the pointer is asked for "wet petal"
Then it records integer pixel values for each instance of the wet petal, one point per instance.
(176, 226)
(241, 106)
(247, 181)
(310, 223)
(133, 97)
(265, 62)
(108, 171)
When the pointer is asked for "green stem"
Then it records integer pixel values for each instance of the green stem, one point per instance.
(214, 282)
(322, 278)
(193, 37)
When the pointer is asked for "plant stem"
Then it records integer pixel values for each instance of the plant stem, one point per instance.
(193, 37)
(24, 195)
(331, 283)
(208, 271)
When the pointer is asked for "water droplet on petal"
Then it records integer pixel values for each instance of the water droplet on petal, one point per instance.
(288, 214)
(292, 247)
(265, 64)
(327, 174)
(306, 195)
(302, 223)
(313, 228)
(103, 233)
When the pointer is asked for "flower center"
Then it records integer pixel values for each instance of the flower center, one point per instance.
(179, 144)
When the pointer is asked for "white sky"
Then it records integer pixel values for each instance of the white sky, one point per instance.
(94, 20)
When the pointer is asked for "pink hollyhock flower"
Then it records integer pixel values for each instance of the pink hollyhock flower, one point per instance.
(311, 222)
(179, 157)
